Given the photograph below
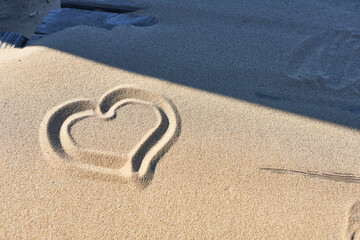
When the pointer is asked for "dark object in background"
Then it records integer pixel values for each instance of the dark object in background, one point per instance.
(118, 6)
(12, 40)
(60, 19)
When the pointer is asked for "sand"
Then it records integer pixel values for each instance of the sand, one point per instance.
(231, 120)
(23, 17)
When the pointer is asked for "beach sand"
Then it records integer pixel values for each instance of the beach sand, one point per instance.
(236, 120)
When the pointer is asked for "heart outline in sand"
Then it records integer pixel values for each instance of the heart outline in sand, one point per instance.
(61, 150)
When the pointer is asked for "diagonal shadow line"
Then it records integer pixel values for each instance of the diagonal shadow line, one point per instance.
(234, 71)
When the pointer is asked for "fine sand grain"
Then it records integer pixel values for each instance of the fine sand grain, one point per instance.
(236, 120)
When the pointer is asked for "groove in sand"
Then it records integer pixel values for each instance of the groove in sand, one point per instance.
(339, 177)
(62, 151)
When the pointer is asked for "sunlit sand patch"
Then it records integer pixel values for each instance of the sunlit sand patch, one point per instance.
(61, 149)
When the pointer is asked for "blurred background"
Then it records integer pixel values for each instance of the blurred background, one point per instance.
(23, 16)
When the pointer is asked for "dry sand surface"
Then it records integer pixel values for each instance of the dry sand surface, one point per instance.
(227, 120)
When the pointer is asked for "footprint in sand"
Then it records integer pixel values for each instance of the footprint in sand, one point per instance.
(330, 59)
(62, 151)
(353, 229)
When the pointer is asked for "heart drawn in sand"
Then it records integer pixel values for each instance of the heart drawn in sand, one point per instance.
(62, 151)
